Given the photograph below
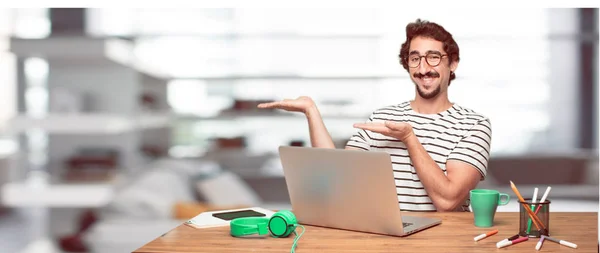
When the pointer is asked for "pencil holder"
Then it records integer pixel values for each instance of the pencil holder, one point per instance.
(529, 228)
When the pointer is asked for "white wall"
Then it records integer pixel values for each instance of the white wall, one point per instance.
(564, 80)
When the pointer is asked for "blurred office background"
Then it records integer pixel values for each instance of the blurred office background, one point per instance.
(118, 124)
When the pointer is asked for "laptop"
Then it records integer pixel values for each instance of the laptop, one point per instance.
(347, 189)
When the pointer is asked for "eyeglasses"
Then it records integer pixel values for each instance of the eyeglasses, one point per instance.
(432, 58)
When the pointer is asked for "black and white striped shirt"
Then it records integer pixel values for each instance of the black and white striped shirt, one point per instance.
(457, 133)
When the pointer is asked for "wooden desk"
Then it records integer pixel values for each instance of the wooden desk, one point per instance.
(455, 234)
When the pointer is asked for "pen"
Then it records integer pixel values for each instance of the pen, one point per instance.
(481, 236)
(561, 242)
(507, 239)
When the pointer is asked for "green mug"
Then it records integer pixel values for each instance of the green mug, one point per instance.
(484, 203)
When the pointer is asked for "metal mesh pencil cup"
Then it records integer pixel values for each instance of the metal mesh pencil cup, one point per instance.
(526, 226)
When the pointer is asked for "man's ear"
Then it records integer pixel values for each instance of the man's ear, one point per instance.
(453, 66)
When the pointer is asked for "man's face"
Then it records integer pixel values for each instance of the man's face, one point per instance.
(429, 80)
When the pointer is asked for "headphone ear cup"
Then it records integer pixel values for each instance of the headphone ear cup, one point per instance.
(282, 223)
(290, 217)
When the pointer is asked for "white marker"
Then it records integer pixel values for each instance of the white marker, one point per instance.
(506, 240)
(543, 199)
(501, 242)
(535, 192)
(561, 242)
(538, 246)
(481, 236)
(546, 194)
(508, 243)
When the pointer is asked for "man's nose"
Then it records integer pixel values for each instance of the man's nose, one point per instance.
(424, 66)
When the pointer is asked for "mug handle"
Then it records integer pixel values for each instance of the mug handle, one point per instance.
(500, 202)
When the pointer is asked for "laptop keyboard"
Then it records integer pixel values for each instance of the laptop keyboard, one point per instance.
(406, 224)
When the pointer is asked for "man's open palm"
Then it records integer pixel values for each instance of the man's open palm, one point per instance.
(300, 104)
(398, 130)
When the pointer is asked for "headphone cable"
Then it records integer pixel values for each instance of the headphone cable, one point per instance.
(297, 238)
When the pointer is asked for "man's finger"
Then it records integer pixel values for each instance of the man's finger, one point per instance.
(392, 125)
(370, 123)
(374, 125)
(268, 105)
(361, 125)
(264, 105)
(379, 128)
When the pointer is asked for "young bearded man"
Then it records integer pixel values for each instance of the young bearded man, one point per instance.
(439, 149)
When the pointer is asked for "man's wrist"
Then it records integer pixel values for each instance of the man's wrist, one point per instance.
(310, 111)
(410, 140)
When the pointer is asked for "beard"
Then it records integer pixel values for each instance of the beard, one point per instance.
(429, 95)
(423, 94)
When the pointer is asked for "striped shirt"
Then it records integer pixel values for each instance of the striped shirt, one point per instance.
(455, 134)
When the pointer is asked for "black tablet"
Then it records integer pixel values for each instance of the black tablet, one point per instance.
(238, 214)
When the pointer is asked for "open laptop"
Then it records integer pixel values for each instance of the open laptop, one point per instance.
(347, 189)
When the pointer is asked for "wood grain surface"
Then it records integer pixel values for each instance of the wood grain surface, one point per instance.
(455, 234)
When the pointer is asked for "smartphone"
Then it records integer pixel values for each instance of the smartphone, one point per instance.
(238, 214)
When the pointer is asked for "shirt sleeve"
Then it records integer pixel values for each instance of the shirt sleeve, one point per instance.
(360, 139)
(474, 148)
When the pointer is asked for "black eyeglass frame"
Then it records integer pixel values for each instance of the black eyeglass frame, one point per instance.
(421, 56)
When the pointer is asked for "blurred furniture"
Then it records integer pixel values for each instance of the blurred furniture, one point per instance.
(7, 158)
(571, 175)
(168, 193)
(33, 194)
(91, 102)
(455, 234)
(95, 100)
(91, 165)
(553, 169)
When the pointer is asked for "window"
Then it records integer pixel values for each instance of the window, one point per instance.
(29, 23)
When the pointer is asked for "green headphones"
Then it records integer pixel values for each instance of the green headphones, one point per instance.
(281, 224)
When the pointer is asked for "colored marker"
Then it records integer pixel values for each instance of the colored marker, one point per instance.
(481, 236)
(543, 199)
(535, 193)
(561, 242)
(538, 246)
(507, 239)
(522, 239)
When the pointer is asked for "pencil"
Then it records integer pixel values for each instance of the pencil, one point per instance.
(533, 217)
